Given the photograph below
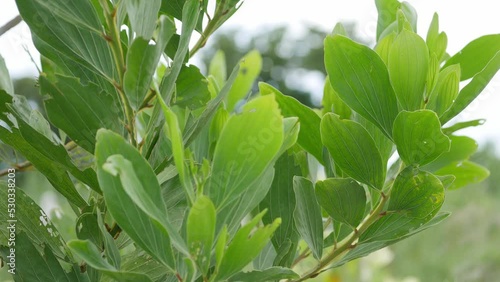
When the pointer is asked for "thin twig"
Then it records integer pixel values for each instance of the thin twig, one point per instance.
(9, 25)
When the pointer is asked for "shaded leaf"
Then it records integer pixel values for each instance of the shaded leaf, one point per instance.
(143, 16)
(270, 274)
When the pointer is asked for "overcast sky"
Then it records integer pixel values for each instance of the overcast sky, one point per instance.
(463, 21)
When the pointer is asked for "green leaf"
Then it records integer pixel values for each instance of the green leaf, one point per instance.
(332, 103)
(419, 138)
(476, 56)
(250, 66)
(473, 88)
(139, 262)
(92, 256)
(466, 172)
(5, 81)
(201, 232)
(137, 215)
(383, 143)
(343, 199)
(80, 110)
(384, 45)
(461, 125)
(68, 27)
(309, 121)
(269, 274)
(247, 145)
(50, 159)
(461, 149)
(364, 249)
(30, 265)
(143, 16)
(307, 215)
(280, 201)
(408, 63)
(245, 246)
(436, 41)
(415, 198)
(192, 88)
(217, 68)
(110, 248)
(446, 90)
(387, 12)
(361, 80)
(353, 150)
(31, 221)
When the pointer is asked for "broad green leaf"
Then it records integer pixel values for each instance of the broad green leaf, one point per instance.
(343, 199)
(461, 125)
(309, 121)
(5, 81)
(408, 63)
(270, 274)
(174, 8)
(332, 103)
(461, 149)
(245, 246)
(217, 68)
(73, 29)
(365, 249)
(192, 88)
(419, 138)
(143, 16)
(473, 88)
(142, 60)
(307, 215)
(446, 90)
(92, 256)
(30, 265)
(361, 80)
(139, 262)
(80, 110)
(383, 143)
(31, 220)
(436, 41)
(50, 159)
(466, 172)
(131, 213)
(247, 145)
(476, 56)
(250, 66)
(87, 227)
(280, 201)
(201, 232)
(353, 150)
(266, 258)
(415, 198)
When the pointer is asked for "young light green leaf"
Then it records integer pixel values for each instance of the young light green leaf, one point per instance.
(419, 138)
(92, 256)
(138, 215)
(269, 274)
(466, 172)
(476, 56)
(462, 125)
(446, 90)
(361, 80)
(250, 67)
(436, 41)
(415, 198)
(332, 103)
(309, 121)
(387, 11)
(343, 199)
(201, 232)
(217, 68)
(353, 150)
(432, 76)
(408, 64)
(473, 88)
(384, 45)
(307, 215)
(245, 246)
(142, 16)
(247, 145)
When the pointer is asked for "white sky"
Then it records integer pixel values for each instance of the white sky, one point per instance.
(463, 21)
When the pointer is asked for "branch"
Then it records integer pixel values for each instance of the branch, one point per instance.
(12, 23)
